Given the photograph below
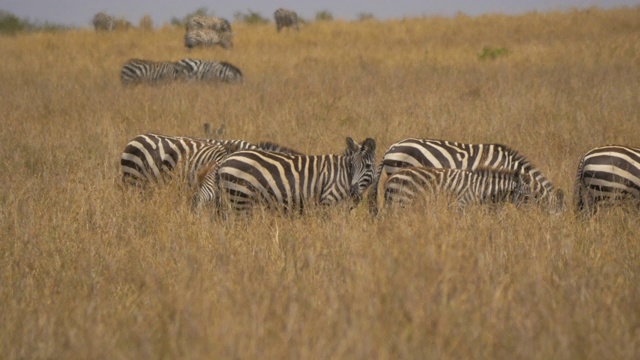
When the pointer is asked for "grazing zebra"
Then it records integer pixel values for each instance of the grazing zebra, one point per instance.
(447, 154)
(152, 157)
(103, 22)
(286, 18)
(136, 71)
(207, 37)
(288, 182)
(204, 70)
(607, 175)
(216, 24)
(480, 186)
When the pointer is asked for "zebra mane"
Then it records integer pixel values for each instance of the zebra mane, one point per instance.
(271, 146)
(517, 156)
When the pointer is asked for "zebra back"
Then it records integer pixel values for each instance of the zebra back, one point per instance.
(204, 70)
(285, 18)
(607, 175)
(152, 157)
(207, 37)
(447, 154)
(208, 22)
(136, 71)
(287, 181)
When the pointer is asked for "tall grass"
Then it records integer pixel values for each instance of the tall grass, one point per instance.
(91, 269)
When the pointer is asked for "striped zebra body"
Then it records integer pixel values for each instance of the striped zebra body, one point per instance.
(607, 175)
(103, 22)
(204, 70)
(286, 18)
(216, 24)
(480, 186)
(453, 155)
(289, 182)
(137, 71)
(207, 38)
(153, 157)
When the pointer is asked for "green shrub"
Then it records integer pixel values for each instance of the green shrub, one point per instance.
(250, 17)
(324, 15)
(10, 24)
(492, 53)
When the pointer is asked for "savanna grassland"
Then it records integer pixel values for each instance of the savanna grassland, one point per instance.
(90, 269)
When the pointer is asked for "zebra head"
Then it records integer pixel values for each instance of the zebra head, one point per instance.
(361, 158)
(529, 190)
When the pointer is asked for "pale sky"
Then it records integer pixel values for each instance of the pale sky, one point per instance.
(80, 12)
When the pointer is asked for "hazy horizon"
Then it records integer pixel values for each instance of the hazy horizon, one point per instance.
(79, 13)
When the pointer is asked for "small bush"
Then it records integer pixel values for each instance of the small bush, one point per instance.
(203, 11)
(123, 24)
(365, 16)
(324, 15)
(250, 17)
(146, 23)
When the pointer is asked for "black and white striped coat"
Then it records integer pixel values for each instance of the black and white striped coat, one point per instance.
(207, 38)
(138, 71)
(480, 186)
(288, 182)
(607, 175)
(285, 18)
(206, 70)
(154, 157)
(447, 154)
(216, 24)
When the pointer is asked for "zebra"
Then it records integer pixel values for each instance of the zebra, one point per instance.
(137, 71)
(286, 18)
(607, 175)
(480, 186)
(205, 70)
(103, 22)
(216, 24)
(152, 157)
(207, 37)
(448, 154)
(288, 182)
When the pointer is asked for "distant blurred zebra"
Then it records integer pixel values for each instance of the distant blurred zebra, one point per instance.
(103, 22)
(607, 175)
(136, 71)
(153, 157)
(204, 70)
(480, 186)
(207, 37)
(453, 155)
(209, 22)
(286, 18)
(288, 182)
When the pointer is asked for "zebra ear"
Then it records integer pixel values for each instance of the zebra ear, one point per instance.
(369, 144)
(352, 146)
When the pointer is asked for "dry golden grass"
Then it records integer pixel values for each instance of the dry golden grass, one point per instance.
(92, 270)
